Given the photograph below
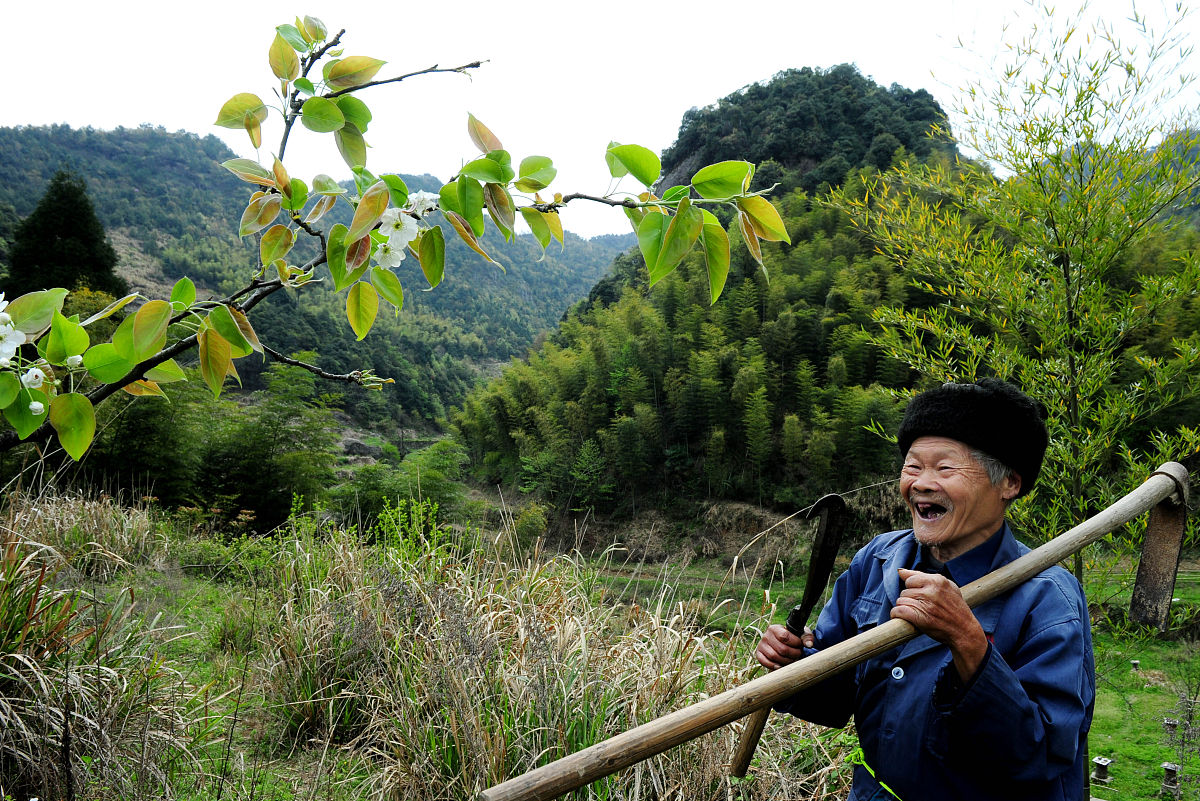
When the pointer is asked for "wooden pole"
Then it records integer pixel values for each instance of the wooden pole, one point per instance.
(634, 745)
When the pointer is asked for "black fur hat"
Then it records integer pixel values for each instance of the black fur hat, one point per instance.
(990, 415)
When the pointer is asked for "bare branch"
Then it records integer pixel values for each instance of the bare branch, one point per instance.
(353, 377)
(474, 65)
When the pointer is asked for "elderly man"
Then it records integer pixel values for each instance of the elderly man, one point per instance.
(993, 703)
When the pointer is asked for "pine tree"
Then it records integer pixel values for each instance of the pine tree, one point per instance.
(62, 244)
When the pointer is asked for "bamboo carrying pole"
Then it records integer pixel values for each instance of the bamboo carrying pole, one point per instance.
(633, 746)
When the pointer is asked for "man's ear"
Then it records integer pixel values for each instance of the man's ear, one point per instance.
(1010, 488)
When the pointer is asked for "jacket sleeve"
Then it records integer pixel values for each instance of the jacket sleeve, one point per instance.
(1021, 715)
(831, 702)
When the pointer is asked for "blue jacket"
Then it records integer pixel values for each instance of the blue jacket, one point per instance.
(1017, 729)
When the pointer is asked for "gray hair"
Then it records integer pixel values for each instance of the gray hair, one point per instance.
(997, 470)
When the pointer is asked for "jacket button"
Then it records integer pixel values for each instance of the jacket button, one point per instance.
(897, 673)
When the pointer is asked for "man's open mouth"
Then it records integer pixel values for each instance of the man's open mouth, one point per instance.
(929, 511)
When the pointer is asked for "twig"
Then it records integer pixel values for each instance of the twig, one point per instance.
(353, 377)
(474, 65)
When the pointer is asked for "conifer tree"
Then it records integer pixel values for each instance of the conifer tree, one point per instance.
(62, 243)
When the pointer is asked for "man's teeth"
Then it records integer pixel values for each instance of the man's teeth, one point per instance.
(930, 511)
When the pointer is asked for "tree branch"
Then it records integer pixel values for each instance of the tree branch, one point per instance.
(474, 65)
(353, 377)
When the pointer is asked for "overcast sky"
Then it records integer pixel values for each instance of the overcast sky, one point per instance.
(559, 80)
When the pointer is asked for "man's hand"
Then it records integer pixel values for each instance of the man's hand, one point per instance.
(935, 605)
(780, 647)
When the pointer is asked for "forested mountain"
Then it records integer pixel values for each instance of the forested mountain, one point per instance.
(170, 209)
(765, 396)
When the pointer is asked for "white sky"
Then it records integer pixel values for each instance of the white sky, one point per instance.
(562, 78)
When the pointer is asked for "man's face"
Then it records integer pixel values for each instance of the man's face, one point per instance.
(953, 503)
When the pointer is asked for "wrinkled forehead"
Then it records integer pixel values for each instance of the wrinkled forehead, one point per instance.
(931, 448)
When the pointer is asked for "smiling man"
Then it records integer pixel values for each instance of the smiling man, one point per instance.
(990, 703)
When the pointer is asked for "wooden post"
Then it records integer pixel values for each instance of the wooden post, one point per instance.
(633, 746)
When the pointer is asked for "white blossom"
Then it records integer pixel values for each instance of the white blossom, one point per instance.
(399, 227)
(421, 202)
(36, 408)
(10, 339)
(389, 254)
(33, 378)
(74, 361)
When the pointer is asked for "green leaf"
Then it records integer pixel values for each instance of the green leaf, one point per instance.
(388, 285)
(487, 171)
(448, 198)
(681, 234)
(675, 194)
(324, 185)
(305, 86)
(275, 244)
(431, 252)
(64, 340)
(500, 206)
(362, 305)
(260, 212)
(723, 179)
(536, 173)
(764, 218)
(651, 232)
(397, 190)
(74, 418)
(470, 200)
(105, 364)
(371, 207)
(183, 293)
(335, 255)
(240, 107)
(221, 320)
(112, 308)
(215, 361)
(352, 71)
(250, 171)
(314, 29)
(282, 57)
(364, 179)
(641, 163)
(355, 111)
(31, 313)
(299, 195)
(615, 168)
(291, 35)
(166, 373)
(482, 136)
(144, 389)
(715, 242)
(321, 115)
(10, 385)
(538, 225)
(351, 145)
(750, 238)
(17, 413)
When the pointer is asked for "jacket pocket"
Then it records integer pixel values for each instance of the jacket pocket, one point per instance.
(866, 613)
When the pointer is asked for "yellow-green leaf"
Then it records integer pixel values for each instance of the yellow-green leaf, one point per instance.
(750, 237)
(715, 242)
(260, 212)
(325, 185)
(641, 163)
(431, 252)
(362, 305)
(10, 385)
(254, 130)
(321, 115)
(144, 389)
(320, 208)
(388, 286)
(313, 29)
(371, 207)
(215, 360)
(74, 419)
(250, 171)
(536, 173)
(483, 138)
(275, 243)
(282, 58)
(166, 373)
(66, 338)
(765, 219)
(183, 295)
(221, 319)
(554, 223)
(352, 71)
(500, 207)
(723, 179)
(238, 107)
(651, 232)
(117, 305)
(467, 235)
(537, 224)
(470, 202)
(149, 332)
(335, 255)
(283, 181)
(351, 145)
(32, 312)
(243, 324)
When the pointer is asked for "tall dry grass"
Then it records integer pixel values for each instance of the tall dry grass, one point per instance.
(452, 666)
(87, 708)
